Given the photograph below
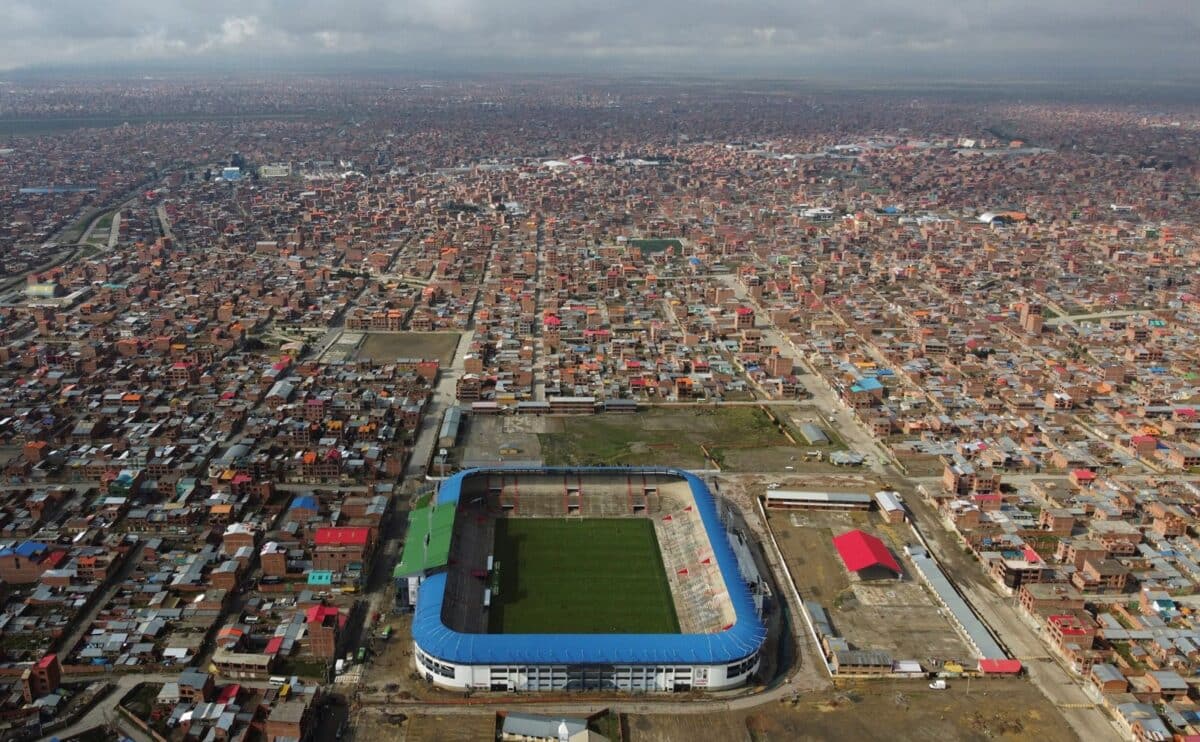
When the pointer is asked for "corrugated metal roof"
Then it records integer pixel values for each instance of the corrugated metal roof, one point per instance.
(974, 628)
(849, 498)
(888, 501)
(860, 550)
(813, 434)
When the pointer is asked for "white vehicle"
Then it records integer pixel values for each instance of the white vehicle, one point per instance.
(938, 684)
(773, 486)
(277, 681)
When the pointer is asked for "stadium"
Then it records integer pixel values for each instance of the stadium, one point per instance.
(577, 579)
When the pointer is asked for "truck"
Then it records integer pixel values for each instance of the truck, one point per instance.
(938, 684)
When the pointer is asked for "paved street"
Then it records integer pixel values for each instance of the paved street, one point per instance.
(1002, 614)
(442, 398)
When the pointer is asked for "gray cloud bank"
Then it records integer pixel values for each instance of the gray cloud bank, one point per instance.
(1152, 38)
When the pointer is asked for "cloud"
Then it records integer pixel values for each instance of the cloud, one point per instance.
(234, 32)
(703, 36)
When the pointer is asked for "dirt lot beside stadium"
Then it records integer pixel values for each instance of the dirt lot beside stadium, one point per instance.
(897, 711)
(496, 439)
(901, 711)
(901, 617)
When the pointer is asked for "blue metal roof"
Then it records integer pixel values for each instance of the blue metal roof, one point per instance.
(739, 641)
(866, 384)
(27, 549)
(304, 502)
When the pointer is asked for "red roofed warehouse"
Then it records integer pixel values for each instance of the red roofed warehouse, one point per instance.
(866, 555)
(1000, 667)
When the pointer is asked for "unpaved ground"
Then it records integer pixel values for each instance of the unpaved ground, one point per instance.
(434, 728)
(810, 555)
(898, 616)
(422, 728)
(388, 346)
(895, 711)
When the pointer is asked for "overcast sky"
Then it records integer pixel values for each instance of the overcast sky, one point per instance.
(1000, 38)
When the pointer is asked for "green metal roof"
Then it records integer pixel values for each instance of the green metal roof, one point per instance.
(427, 545)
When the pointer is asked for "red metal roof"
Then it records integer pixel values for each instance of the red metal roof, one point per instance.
(274, 645)
(338, 536)
(318, 614)
(1000, 667)
(860, 550)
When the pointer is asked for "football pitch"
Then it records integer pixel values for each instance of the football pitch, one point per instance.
(580, 576)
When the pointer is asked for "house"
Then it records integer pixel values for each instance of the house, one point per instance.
(1142, 722)
(1167, 683)
(1108, 679)
(293, 719)
(337, 548)
(325, 625)
(196, 686)
(42, 679)
(24, 563)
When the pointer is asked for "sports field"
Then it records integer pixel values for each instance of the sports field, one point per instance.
(580, 576)
(737, 439)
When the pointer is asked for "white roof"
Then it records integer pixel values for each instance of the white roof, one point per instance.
(806, 496)
(888, 500)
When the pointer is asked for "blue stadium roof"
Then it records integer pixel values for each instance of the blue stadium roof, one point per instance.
(739, 641)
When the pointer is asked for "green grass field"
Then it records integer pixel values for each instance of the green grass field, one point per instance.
(738, 438)
(580, 576)
(655, 245)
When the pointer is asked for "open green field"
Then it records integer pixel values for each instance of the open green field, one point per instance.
(580, 576)
(655, 245)
(386, 347)
(737, 438)
(104, 223)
